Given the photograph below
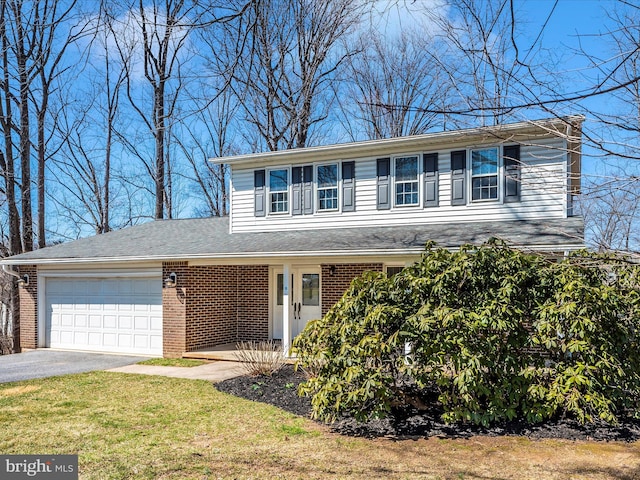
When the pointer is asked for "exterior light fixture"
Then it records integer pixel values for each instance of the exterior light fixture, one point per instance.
(23, 281)
(171, 280)
(332, 270)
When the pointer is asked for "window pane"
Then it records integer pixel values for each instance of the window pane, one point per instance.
(327, 175)
(278, 180)
(485, 188)
(392, 270)
(406, 168)
(310, 289)
(328, 187)
(484, 162)
(279, 202)
(328, 199)
(407, 193)
(280, 288)
(406, 180)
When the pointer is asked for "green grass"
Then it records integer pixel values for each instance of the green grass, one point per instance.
(126, 426)
(173, 362)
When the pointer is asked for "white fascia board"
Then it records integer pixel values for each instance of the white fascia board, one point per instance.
(257, 256)
(384, 146)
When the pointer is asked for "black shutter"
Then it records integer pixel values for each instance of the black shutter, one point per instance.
(348, 186)
(307, 189)
(430, 168)
(259, 193)
(459, 177)
(384, 183)
(296, 191)
(512, 179)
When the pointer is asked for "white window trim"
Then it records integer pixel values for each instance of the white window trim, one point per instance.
(316, 188)
(419, 180)
(471, 176)
(288, 190)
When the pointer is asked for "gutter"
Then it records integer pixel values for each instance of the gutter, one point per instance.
(262, 255)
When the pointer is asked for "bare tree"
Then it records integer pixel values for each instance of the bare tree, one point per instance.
(279, 58)
(210, 134)
(388, 82)
(487, 67)
(34, 37)
(161, 29)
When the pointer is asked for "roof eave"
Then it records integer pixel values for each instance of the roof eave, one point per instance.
(354, 149)
(270, 255)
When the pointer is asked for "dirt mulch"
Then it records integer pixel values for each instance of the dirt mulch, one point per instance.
(281, 390)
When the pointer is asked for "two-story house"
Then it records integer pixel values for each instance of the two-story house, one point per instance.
(303, 223)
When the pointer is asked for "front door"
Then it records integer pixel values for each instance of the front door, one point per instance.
(304, 298)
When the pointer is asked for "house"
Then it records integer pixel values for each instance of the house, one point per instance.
(303, 223)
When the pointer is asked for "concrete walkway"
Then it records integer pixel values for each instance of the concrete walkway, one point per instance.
(212, 372)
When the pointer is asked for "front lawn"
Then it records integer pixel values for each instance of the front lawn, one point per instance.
(138, 426)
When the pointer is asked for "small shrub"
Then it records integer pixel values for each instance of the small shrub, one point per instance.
(260, 358)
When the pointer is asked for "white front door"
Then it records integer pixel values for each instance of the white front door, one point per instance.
(304, 295)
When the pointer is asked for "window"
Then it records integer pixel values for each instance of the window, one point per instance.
(484, 174)
(328, 187)
(279, 191)
(393, 270)
(406, 180)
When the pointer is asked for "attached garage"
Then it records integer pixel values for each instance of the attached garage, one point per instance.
(114, 314)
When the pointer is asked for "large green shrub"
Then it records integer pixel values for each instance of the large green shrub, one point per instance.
(496, 332)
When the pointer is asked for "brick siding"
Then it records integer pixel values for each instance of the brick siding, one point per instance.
(29, 308)
(213, 305)
(210, 305)
(174, 309)
(253, 302)
(335, 283)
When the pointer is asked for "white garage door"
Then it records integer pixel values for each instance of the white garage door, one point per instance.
(119, 315)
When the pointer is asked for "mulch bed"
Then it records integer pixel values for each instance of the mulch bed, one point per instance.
(281, 390)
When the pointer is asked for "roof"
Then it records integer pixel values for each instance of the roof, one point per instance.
(512, 132)
(209, 238)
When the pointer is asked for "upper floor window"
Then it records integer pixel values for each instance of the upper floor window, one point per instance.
(279, 190)
(406, 180)
(327, 187)
(484, 174)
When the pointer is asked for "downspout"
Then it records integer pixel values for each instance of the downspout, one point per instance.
(23, 280)
(8, 269)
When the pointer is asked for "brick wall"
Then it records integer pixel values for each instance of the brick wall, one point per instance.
(211, 306)
(335, 283)
(217, 304)
(29, 308)
(174, 301)
(253, 302)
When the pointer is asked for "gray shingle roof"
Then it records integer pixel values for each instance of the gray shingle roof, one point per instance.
(210, 238)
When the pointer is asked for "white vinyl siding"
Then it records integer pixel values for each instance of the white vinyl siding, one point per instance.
(543, 195)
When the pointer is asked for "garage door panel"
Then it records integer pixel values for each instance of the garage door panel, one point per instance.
(120, 315)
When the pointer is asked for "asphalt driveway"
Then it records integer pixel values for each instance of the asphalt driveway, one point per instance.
(43, 363)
